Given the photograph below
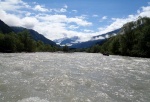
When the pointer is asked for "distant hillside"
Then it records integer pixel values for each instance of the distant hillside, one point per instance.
(99, 39)
(4, 28)
(35, 35)
(87, 44)
(106, 35)
(26, 40)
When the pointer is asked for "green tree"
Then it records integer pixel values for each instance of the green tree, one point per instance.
(28, 43)
(8, 43)
(135, 41)
(65, 48)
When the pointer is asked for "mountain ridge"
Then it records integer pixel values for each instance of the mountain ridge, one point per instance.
(35, 35)
(4, 28)
(99, 39)
(66, 40)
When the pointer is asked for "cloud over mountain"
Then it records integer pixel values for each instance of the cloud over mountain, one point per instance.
(55, 22)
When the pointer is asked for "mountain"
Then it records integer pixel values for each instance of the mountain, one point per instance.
(4, 28)
(58, 41)
(88, 44)
(107, 35)
(74, 43)
(99, 39)
(132, 40)
(35, 35)
(70, 40)
(66, 40)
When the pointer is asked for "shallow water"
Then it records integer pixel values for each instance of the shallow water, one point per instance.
(73, 77)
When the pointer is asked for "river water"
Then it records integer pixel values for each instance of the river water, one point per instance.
(73, 77)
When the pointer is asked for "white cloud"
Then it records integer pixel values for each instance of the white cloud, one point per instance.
(51, 30)
(104, 17)
(40, 8)
(146, 8)
(138, 11)
(13, 20)
(65, 6)
(95, 15)
(29, 22)
(58, 25)
(119, 22)
(52, 26)
(73, 27)
(88, 31)
(60, 10)
(65, 19)
(63, 10)
(28, 14)
(10, 19)
(13, 5)
(52, 18)
(79, 21)
(82, 17)
(145, 11)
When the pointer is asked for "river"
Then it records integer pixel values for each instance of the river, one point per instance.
(73, 77)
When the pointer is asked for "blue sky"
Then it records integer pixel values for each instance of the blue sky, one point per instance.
(67, 18)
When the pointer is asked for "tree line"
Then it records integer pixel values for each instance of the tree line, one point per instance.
(22, 42)
(133, 40)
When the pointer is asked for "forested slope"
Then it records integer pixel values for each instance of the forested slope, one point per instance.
(133, 40)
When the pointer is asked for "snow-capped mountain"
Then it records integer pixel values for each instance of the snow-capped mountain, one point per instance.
(67, 41)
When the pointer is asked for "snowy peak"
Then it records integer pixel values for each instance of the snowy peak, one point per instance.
(67, 41)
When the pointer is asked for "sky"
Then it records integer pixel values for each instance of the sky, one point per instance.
(57, 19)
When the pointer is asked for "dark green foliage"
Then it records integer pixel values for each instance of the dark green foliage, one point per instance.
(8, 43)
(65, 48)
(22, 42)
(134, 42)
(34, 35)
(28, 43)
(94, 49)
(41, 47)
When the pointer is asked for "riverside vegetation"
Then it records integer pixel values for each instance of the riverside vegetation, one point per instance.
(132, 40)
(22, 42)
